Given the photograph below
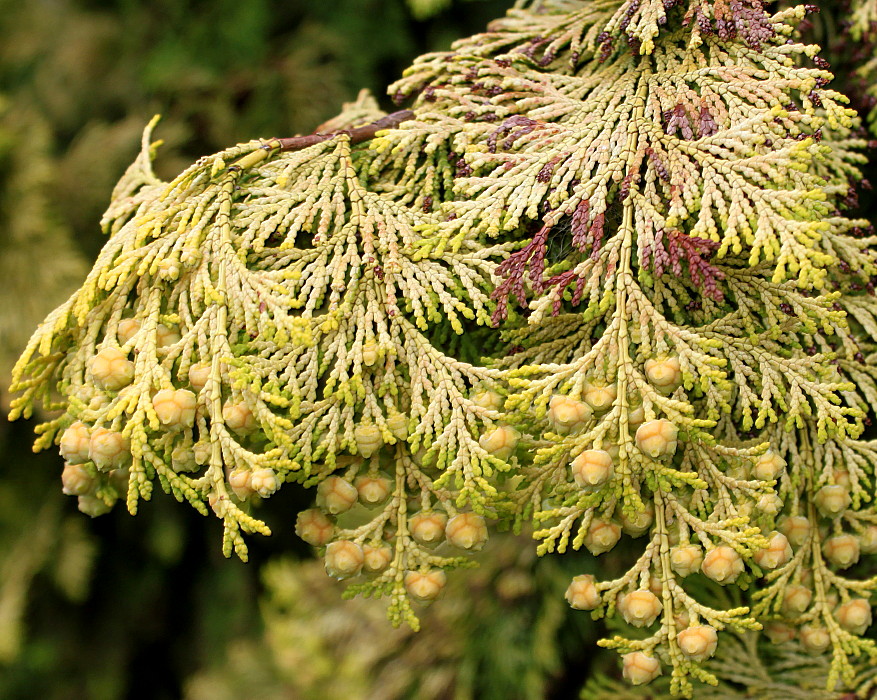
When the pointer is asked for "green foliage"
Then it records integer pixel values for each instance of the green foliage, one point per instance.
(601, 276)
(750, 666)
(79, 80)
(494, 635)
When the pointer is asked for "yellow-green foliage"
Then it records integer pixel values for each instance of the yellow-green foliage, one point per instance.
(79, 80)
(643, 202)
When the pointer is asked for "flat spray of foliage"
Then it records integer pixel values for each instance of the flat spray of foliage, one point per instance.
(598, 277)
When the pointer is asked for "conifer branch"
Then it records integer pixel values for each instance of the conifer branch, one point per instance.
(356, 135)
(657, 227)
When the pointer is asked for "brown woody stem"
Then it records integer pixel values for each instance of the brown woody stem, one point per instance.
(295, 143)
(357, 135)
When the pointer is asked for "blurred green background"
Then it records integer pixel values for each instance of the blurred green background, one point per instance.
(146, 607)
